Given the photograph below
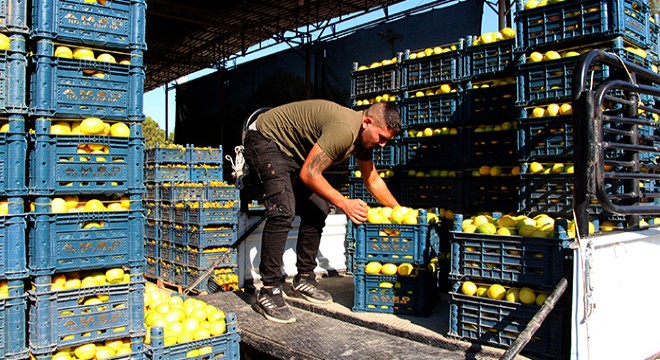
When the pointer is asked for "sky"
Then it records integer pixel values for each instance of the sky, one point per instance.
(154, 100)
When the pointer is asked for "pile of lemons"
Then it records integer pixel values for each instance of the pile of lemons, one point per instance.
(523, 295)
(397, 215)
(91, 126)
(92, 278)
(73, 203)
(182, 320)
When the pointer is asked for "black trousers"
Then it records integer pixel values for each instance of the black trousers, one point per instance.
(284, 196)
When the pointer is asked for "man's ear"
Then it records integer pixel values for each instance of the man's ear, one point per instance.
(366, 121)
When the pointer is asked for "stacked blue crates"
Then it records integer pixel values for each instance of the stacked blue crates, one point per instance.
(409, 292)
(378, 82)
(193, 218)
(85, 164)
(431, 113)
(13, 189)
(514, 262)
(489, 125)
(545, 134)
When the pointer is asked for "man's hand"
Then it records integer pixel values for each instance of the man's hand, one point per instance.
(356, 210)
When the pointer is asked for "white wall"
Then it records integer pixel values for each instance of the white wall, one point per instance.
(331, 251)
(625, 278)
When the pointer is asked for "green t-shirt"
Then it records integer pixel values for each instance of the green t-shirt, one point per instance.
(297, 126)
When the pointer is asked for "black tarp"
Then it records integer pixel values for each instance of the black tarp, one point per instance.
(210, 110)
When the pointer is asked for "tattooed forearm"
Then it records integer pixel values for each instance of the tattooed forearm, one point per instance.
(319, 163)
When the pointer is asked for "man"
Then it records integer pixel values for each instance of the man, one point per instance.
(289, 147)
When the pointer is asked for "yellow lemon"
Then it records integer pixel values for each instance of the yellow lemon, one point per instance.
(389, 269)
(58, 205)
(469, 288)
(120, 129)
(92, 126)
(63, 52)
(60, 128)
(94, 205)
(496, 291)
(373, 268)
(85, 352)
(527, 296)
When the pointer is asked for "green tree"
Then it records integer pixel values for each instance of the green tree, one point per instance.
(153, 134)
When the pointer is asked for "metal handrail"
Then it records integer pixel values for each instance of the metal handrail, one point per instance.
(630, 80)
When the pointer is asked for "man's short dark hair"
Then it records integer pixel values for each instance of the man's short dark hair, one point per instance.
(387, 113)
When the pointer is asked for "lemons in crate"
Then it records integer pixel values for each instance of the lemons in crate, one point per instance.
(58, 205)
(4, 42)
(83, 54)
(527, 296)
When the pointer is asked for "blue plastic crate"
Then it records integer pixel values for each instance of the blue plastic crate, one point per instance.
(179, 235)
(168, 211)
(153, 210)
(441, 150)
(166, 271)
(204, 155)
(203, 237)
(13, 161)
(57, 167)
(546, 193)
(439, 110)
(491, 193)
(13, 16)
(166, 251)
(66, 88)
(490, 147)
(162, 155)
(13, 76)
(154, 191)
(358, 190)
(536, 262)
(551, 80)
(152, 248)
(151, 268)
(60, 242)
(179, 256)
(225, 346)
(205, 173)
(118, 24)
(496, 322)
(496, 103)
(582, 21)
(408, 295)
(13, 259)
(375, 81)
(386, 156)
(199, 259)
(431, 70)
(166, 232)
(442, 192)
(165, 173)
(545, 138)
(184, 192)
(489, 59)
(13, 329)
(201, 216)
(57, 319)
(137, 348)
(221, 192)
(396, 242)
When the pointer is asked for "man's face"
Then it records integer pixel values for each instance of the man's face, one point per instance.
(374, 133)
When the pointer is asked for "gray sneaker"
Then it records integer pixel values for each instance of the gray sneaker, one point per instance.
(270, 304)
(309, 290)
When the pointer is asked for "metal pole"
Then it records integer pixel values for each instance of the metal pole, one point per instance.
(502, 9)
(167, 118)
(536, 321)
